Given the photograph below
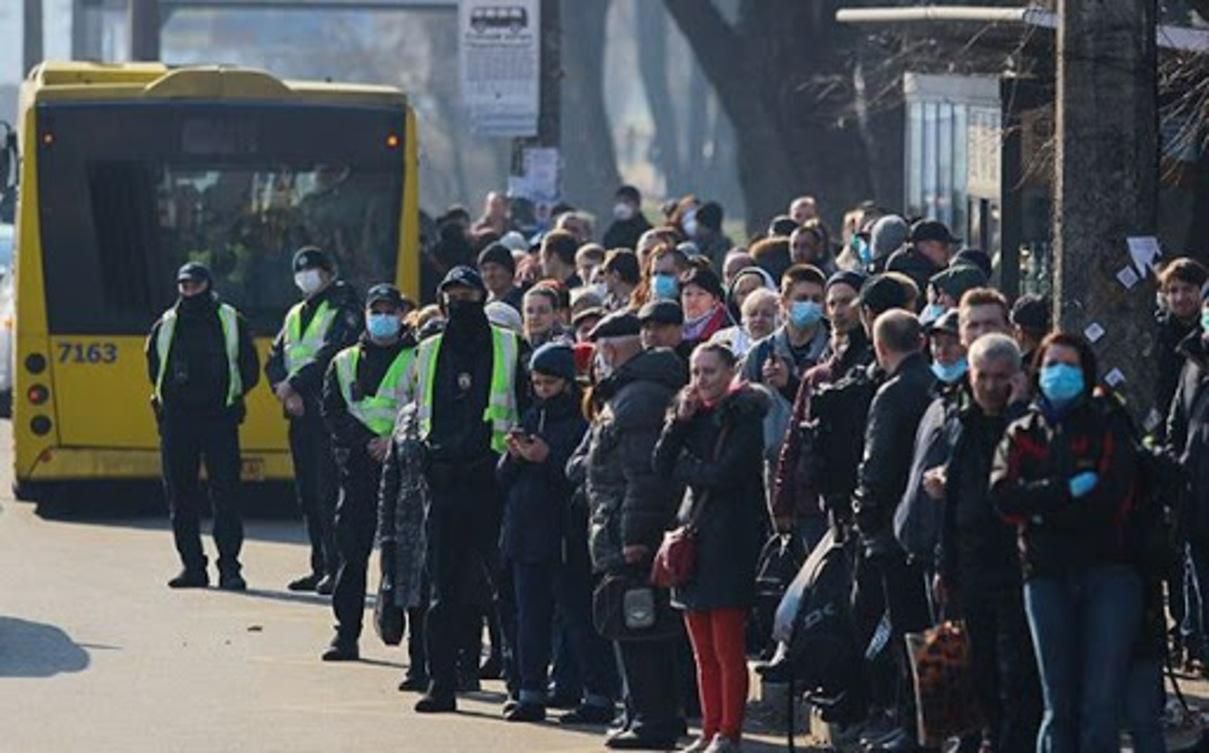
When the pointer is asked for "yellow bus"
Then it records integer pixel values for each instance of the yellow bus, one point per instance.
(128, 171)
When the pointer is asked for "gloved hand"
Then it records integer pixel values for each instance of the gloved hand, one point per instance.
(1082, 484)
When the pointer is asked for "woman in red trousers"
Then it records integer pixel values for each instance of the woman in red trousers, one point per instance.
(713, 443)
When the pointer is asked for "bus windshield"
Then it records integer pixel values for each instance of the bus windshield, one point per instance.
(228, 191)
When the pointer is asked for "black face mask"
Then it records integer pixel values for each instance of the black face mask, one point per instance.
(196, 303)
(464, 316)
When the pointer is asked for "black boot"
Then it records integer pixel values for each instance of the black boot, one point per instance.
(326, 585)
(413, 682)
(434, 702)
(231, 580)
(526, 712)
(191, 577)
(305, 583)
(342, 649)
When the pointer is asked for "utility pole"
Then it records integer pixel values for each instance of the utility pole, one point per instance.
(32, 24)
(145, 30)
(1106, 187)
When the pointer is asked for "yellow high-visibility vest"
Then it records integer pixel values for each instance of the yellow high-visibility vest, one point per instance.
(501, 411)
(378, 411)
(229, 318)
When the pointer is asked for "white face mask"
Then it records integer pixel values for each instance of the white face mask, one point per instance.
(308, 281)
(623, 211)
(600, 289)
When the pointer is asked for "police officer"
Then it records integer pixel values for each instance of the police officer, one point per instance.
(469, 388)
(365, 386)
(326, 321)
(201, 362)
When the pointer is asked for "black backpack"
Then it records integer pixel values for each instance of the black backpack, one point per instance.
(815, 619)
(833, 435)
(779, 562)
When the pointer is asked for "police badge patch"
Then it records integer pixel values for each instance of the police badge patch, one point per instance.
(463, 381)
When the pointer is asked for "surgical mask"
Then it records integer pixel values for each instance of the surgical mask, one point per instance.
(1205, 319)
(600, 289)
(949, 373)
(862, 249)
(666, 287)
(690, 226)
(931, 313)
(601, 366)
(383, 326)
(623, 211)
(803, 314)
(1061, 382)
(308, 281)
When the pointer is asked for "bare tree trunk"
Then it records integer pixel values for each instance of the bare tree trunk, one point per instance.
(32, 49)
(651, 22)
(590, 160)
(696, 111)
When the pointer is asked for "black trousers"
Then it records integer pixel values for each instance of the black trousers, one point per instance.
(184, 443)
(356, 523)
(463, 533)
(652, 685)
(315, 486)
(1005, 667)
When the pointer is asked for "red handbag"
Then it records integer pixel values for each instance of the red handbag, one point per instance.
(676, 559)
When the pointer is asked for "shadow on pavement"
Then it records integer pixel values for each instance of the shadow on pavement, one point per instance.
(34, 649)
(286, 596)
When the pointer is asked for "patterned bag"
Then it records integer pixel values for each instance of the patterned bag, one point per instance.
(944, 684)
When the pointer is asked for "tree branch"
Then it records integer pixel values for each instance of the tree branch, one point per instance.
(717, 47)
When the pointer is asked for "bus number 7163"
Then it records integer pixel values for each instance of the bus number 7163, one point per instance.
(87, 352)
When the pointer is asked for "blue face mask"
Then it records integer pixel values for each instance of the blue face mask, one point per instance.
(863, 251)
(949, 373)
(1205, 319)
(1061, 383)
(931, 313)
(804, 314)
(383, 326)
(665, 287)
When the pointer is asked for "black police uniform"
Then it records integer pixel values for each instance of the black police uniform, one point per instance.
(464, 519)
(359, 474)
(195, 423)
(310, 441)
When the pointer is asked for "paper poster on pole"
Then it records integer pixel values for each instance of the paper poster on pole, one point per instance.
(499, 52)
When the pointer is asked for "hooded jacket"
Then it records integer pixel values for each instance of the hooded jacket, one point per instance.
(629, 504)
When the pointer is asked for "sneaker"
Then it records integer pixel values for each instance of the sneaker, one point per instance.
(190, 578)
(325, 586)
(724, 745)
(588, 716)
(342, 649)
(436, 703)
(232, 582)
(526, 712)
(631, 740)
(305, 583)
(700, 746)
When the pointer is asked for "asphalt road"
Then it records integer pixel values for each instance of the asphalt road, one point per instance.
(98, 655)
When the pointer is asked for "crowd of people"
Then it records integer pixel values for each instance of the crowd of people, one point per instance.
(532, 446)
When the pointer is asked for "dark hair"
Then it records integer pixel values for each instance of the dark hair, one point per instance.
(563, 244)
(725, 354)
(772, 255)
(802, 273)
(558, 293)
(624, 262)
(986, 297)
(629, 192)
(1087, 356)
(710, 215)
(1185, 270)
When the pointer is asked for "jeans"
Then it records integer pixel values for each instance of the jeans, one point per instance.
(593, 654)
(1084, 624)
(1001, 657)
(1196, 603)
(315, 485)
(534, 622)
(184, 442)
(1145, 698)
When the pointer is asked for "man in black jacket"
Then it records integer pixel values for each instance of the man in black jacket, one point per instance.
(325, 322)
(365, 386)
(927, 254)
(980, 570)
(894, 416)
(628, 222)
(630, 508)
(201, 361)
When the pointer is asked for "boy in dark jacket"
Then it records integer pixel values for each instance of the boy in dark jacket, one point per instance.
(538, 493)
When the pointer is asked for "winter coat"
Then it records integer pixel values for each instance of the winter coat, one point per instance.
(915, 265)
(1188, 434)
(716, 454)
(800, 360)
(625, 233)
(1168, 345)
(918, 517)
(403, 502)
(977, 550)
(1030, 486)
(537, 495)
(629, 504)
(894, 415)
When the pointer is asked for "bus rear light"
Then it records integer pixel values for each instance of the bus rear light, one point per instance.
(35, 363)
(48, 138)
(392, 141)
(38, 394)
(40, 425)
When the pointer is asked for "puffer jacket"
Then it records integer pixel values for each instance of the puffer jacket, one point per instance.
(1030, 478)
(403, 502)
(1188, 434)
(629, 504)
(716, 454)
(1171, 350)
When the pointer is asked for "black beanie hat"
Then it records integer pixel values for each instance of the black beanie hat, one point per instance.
(498, 253)
(704, 278)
